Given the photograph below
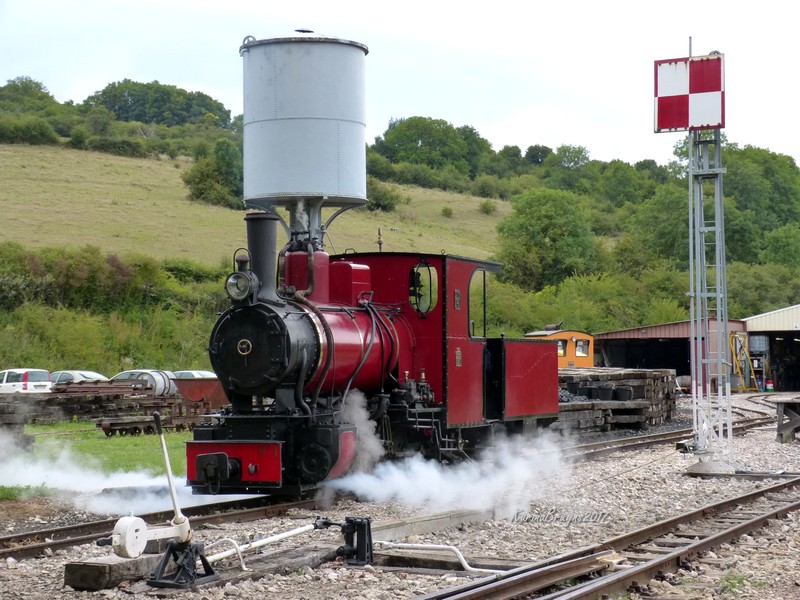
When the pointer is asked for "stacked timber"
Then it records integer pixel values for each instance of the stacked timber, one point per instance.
(86, 406)
(51, 408)
(13, 416)
(602, 398)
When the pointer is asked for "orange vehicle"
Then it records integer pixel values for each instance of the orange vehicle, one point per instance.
(575, 348)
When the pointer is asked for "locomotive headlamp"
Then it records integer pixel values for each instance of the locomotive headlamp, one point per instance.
(238, 286)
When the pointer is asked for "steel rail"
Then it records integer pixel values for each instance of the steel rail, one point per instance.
(603, 448)
(525, 580)
(35, 543)
(522, 580)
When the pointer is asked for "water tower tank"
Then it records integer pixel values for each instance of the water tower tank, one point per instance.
(304, 120)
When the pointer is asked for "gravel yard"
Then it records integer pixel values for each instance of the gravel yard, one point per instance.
(559, 507)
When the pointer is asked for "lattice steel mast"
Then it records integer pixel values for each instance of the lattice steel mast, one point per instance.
(710, 356)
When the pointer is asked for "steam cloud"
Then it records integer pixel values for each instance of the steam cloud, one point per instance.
(301, 214)
(82, 480)
(369, 447)
(510, 475)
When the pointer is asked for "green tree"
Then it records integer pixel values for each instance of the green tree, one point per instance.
(631, 257)
(506, 163)
(434, 143)
(99, 120)
(26, 129)
(743, 238)
(755, 289)
(600, 302)
(765, 183)
(660, 226)
(656, 172)
(25, 95)
(621, 183)
(782, 247)
(155, 102)
(564, 169)
(382, 197)
(78, 137)
(536, 155)
(379, 166)
(663, 310)
(490, 186)
(230, 164)
(545, 239)
(478, 149)
(237, 124)
(217, 178)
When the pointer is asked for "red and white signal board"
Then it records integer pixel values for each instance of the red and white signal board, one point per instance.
(690, 93)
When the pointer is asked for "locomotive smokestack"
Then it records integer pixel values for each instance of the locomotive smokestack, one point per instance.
(262, 238)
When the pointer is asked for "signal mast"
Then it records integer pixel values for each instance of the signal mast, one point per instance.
(690, 96)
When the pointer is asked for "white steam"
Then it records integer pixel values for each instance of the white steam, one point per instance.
(301, 214)
(512, 474)
(83, 482)
(369, 447)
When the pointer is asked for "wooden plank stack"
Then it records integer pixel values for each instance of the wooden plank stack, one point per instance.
(88, 404)
(602, 398)
(51, 408)
(13, 416)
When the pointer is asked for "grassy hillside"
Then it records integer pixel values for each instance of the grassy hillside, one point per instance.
(64, 197)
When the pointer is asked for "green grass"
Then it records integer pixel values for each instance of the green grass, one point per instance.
(110, 454)
(63, 197)
(86, 445)
(55, 196)
(736, 583)
(60, 428)
(20, 492)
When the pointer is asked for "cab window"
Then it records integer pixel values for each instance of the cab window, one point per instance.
(562, 347)
(477, 304)
(423, 287)
(582, 348)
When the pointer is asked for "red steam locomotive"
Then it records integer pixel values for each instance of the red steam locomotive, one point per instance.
(312, 339)
(406, 330)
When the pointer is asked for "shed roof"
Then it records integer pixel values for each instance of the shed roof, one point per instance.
(783, 319)
(549, 332)
(676, 330)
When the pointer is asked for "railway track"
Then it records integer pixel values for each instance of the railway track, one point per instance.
(603, 448)
(633, 559)
(34, 543)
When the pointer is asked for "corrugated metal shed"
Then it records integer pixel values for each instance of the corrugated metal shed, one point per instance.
(663, 345)
(676, 330)
(783, 319)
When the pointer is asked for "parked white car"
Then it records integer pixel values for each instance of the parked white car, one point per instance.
(72, 376)
(25, 381)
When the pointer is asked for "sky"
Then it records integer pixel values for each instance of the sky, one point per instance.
(577, 73)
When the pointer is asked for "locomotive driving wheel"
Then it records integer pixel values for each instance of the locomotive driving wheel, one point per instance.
(313, 463)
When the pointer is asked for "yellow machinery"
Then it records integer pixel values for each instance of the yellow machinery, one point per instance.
(742, 364)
